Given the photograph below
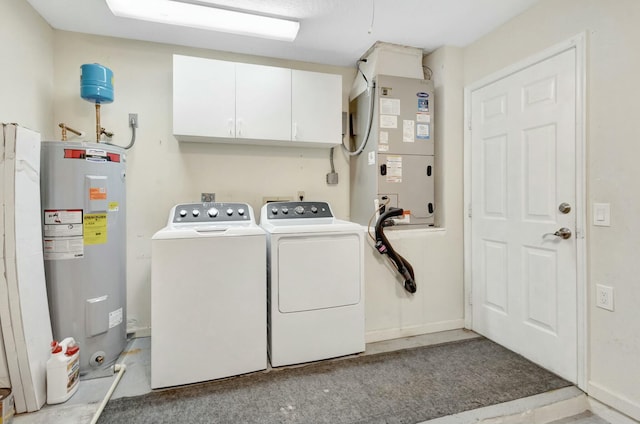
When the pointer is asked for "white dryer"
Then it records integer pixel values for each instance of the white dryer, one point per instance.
(208, 295)
(315, 283)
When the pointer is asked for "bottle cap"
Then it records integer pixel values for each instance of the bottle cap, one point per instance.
(55, 347)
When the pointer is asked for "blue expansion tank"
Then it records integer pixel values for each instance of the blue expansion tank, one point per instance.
(96, 83)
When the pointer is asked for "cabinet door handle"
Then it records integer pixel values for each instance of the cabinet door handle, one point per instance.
(295, 130)
(239, 127)
(230, 127)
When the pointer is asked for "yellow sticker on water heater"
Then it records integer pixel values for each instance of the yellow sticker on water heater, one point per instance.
(95, 228)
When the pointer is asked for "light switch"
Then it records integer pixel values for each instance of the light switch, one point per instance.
(602, 214)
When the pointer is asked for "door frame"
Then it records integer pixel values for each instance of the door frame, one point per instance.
(578, 43)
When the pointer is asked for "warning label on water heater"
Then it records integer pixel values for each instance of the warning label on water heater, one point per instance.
(95, 228)
(115, 317)
(63, 234)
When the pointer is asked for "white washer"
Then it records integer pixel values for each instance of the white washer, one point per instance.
(208, 295)
(316, 283)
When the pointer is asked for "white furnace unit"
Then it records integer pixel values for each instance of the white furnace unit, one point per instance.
(208, 295)
(392, 123)
(315, 281)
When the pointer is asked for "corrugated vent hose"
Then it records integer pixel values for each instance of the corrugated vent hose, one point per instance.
(384, 248)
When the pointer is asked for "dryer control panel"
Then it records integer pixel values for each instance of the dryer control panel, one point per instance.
(301, 210)
(211, 212)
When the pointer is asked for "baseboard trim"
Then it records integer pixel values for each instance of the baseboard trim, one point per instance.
(139, 332)
(416, 330)
(612, 406)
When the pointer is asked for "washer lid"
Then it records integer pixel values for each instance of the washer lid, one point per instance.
(311, 226)
(203, 231)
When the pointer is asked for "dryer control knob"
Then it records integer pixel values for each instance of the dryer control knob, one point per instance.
(314, 209)
(213, 212)
(229, 211)
(274, 211)
(240, 211)
(195, 212)
(183, 213)
(285, 210)
(299, 210)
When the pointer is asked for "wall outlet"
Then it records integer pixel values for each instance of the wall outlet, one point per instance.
(269, 199)
(604, 297)
(133, 120)
(332, 178)
(207, 197)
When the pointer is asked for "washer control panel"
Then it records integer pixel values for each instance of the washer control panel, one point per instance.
(298, 210)
(211, 212)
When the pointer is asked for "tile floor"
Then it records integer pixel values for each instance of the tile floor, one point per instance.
(136, 381)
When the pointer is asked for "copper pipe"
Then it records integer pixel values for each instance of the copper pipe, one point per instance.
(65, 128)
(98, 127)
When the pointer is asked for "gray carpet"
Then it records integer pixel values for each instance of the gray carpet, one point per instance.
(407, 386)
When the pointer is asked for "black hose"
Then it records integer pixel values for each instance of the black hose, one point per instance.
(385, 248)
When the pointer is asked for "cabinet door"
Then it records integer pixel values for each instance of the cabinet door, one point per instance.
(263, 102)
(203, 98)
(316, 107)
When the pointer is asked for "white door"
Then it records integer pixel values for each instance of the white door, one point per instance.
(523, 171)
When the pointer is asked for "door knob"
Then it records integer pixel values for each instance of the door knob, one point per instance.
(563, 232)
(564, 208)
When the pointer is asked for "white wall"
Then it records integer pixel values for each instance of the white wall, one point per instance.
(26, 67)
(26, 81)
(436, 255)
(613, 173)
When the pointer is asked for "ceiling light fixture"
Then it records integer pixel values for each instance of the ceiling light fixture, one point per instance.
(205, 17)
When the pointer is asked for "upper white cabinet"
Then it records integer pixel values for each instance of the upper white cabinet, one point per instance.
(218, 101)
(316, 107)
(263, 102)
(204, 98)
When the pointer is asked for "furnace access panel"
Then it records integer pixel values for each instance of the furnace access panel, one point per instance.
(397, 163)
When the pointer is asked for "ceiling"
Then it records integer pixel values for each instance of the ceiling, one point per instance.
(334, 32)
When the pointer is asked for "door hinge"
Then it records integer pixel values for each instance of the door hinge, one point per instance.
(469, 212)
(469, 124)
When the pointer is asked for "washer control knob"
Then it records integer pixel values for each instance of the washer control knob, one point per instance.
(274, 211)
(183, 213)
(195, 212)
(314, 209)
(240, 211)
(229, 211)
(299, 210)
(213, 212)
(285, 210)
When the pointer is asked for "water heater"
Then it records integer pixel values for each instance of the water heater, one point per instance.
(83, 217)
